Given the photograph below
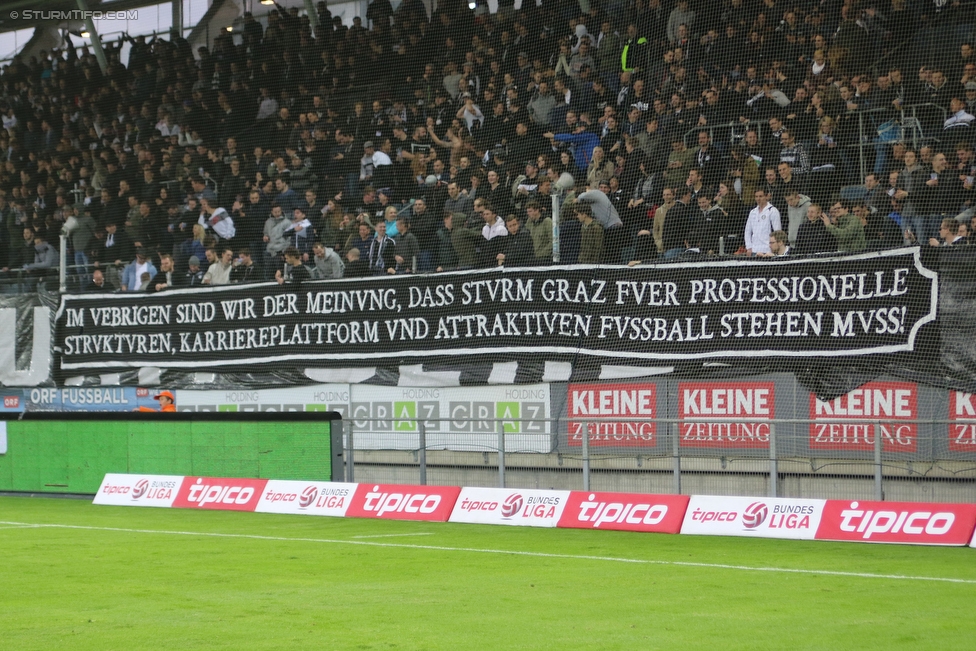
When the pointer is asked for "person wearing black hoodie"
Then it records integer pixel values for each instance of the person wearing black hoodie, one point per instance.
(812, 236)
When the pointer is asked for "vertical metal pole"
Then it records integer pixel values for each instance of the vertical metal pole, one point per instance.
(860, 144)
(313, 15)
(501, 454)
(555, 228)
(96, 40)
(350, 461)
(423, 454)
(773, 464)
(586, 456)
(63, 267)
(177, 11)
(878, 489)
(675, 452)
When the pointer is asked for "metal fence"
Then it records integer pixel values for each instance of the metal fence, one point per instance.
(836, 458)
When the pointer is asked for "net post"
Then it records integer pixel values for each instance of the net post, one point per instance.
(586, 455)
(773, 462)
(501, 454)
(338, 451)
(676, 458)
(423, 453)
(350, 461)
(878, 489)
(63, 265)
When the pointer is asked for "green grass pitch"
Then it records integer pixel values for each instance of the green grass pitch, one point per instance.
(127, 578)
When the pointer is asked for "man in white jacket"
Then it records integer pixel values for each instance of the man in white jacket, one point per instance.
(763, 221)
(216, 218)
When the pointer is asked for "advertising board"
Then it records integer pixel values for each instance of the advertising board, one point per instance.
(754, 517)
(510, 506)
(138, 490)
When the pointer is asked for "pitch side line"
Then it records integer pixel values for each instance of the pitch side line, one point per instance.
(505, 552)
(394, 535)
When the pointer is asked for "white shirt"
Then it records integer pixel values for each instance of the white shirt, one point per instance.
(380, 158)
(760, 225)
(960, 119)
(137, 276)
(220, 222)
(490, 231)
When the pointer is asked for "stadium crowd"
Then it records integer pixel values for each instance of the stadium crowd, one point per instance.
(655, 129)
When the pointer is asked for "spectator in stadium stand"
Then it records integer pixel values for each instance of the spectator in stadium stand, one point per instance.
(539, 228)
(880, 231)
(219, 271)
(294, 271)
(326, 263)
(779, 246)
(591, 235)
(132, 273)
(710, 223)
(948, 234)
(166, 278)
(97, 284)
(582, 143)
(677, 224)
(456, 202)
(216, 218)
(960, 122)
(492, 231)
(382, 252)
(938, 197)
(362, 239)
(518, 249)
(245, 270)
(355, 267)
(845, 227)
(194, 274)
(167, 403)
(796, 213)
(763, 220)
(407, 247)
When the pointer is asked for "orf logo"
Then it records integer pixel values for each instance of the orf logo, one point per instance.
(140, 489)
(754, 515)
(511, 505)
(308, 497)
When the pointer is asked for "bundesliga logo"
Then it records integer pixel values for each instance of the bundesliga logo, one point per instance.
(308, 497)
(141, 487)
(511, 505)
(754, 515)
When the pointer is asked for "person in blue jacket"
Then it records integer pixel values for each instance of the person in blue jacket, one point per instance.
(582, 143)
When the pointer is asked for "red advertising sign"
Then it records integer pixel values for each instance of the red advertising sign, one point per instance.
(219, 493)
(892, 403)
(396, 502)
(710, 401)
(624, 512)
(916, 523)
(962, 429)
(599, 408)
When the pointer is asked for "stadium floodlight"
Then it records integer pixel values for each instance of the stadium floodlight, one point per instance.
(472, 5)
(267, 2)
(230, 28)
(85, 34)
